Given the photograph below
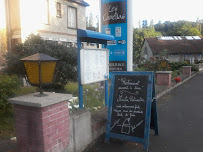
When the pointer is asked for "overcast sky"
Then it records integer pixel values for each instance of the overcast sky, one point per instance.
(159, 10)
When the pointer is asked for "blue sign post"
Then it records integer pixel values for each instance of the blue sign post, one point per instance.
(115, 21)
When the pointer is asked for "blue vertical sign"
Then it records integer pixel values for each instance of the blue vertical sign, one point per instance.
(114, 22)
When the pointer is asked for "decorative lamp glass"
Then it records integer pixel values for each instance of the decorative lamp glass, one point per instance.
(40, 70)
(164, 63)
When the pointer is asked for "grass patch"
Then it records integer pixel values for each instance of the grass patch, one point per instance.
(7, 126)
(25, 90)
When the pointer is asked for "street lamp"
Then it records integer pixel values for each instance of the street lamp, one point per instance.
(164, 63)
(40, 69)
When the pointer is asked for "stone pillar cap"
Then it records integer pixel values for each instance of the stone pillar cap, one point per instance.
(33, 101)
(164, 72)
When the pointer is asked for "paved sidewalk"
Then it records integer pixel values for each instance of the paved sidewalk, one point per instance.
(7, 146)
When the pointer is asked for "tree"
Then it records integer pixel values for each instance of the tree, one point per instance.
(87, 22)
(67, 65)
(97, 24)
(179, 28)
(151, 24)
(91, 20)
(138, 39)
(144, 24)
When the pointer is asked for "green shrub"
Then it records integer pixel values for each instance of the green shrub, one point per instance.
(194, 68)
(176, 65)
(148, 65)
(176, 73)
(66, 67)
(72, 88)
(8, 85)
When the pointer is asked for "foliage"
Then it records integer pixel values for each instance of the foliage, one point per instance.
(8, 85)
(178, 65)
(7, 126)
(3, 44)
(176, 73)
(93, 94)
(149, 65)
(67, 55)
(194, 68)
(179, 28)
(138, 38)
(72, 88)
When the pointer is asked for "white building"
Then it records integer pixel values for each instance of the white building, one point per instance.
(179, 48)
(55, 20)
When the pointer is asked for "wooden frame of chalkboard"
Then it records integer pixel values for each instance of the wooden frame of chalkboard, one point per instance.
(132, 96)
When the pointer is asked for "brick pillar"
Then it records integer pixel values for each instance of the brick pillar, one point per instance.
(42, 123)
(187, 70)
(163, 78)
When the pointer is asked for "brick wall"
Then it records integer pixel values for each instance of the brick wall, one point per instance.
(187, 70)
(163, 78)
(42, 129)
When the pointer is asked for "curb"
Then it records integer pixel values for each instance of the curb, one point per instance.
(175, 86)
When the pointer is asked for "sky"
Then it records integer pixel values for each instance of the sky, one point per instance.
(159, 10)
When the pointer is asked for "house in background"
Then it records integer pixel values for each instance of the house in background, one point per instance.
(179, 48)
(53, 20)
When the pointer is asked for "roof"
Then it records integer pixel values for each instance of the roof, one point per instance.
(182, 45)
(39, 57)
(81, 2)
(93, 37)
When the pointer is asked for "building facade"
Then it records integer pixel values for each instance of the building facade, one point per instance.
(53, 20)
(177, 48)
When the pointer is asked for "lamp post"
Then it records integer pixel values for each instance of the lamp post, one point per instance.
(40, 69)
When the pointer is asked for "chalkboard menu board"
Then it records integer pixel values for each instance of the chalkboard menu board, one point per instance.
(129, 105)
(129, 110)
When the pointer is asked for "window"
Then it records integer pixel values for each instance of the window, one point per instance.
(72, 17)
(58, 10)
